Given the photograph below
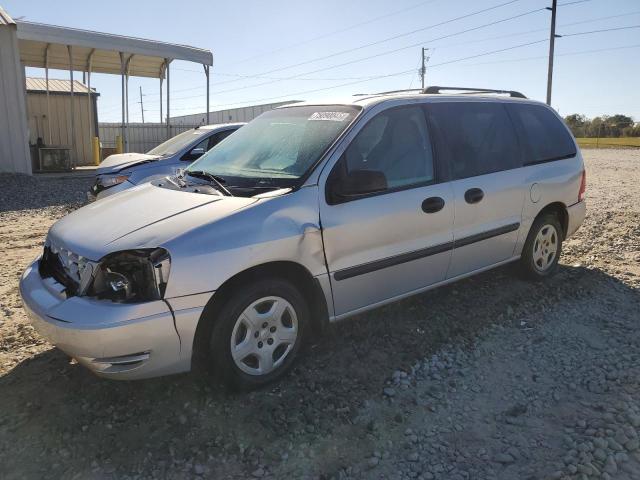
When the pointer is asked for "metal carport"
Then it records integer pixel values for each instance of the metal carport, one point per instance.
(50, 46)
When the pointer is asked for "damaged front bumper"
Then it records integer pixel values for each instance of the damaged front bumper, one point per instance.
(114, 340)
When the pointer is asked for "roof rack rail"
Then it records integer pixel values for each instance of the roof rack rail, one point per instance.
(437, 90)
(419, 90)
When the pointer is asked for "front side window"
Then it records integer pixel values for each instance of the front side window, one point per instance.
(475, 138)
(395, 144)
(177, 143)
(546, 137)
(278, 147)
(218, 137)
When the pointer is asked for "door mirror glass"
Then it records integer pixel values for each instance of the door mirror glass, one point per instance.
(197, 152)
(360, 182)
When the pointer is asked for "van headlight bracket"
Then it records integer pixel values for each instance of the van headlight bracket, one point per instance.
(131, 276)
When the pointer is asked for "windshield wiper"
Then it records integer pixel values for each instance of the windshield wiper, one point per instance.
(217, 181)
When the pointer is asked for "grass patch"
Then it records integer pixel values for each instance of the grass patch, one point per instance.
(628, 142)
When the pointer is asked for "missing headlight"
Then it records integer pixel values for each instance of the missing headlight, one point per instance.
(132, 276)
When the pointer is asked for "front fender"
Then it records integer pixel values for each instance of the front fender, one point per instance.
(284, 228)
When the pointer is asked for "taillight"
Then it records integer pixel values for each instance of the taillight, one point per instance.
(583, 186)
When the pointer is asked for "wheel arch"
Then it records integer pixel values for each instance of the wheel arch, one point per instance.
(558, 209)
(293, 272)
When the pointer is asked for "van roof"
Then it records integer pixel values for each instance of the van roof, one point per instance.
(368, 100)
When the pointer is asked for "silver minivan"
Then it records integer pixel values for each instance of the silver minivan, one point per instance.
(309, 214)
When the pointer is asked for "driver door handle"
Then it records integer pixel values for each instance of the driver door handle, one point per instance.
(432, 205)
(473, 195)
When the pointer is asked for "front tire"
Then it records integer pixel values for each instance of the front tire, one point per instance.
(542, 248)
(258, 334)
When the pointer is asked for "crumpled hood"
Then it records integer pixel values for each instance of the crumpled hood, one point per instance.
(103, 227)
(115, 163)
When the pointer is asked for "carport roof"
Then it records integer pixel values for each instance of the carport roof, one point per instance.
(148, 56)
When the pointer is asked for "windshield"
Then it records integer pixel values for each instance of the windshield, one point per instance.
(278, 147)
(177, 143)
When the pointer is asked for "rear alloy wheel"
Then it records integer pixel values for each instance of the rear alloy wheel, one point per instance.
(258, 333)
(542, 249)
(545, 247)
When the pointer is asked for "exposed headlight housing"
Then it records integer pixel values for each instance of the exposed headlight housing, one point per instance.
(131, 276)
(108, 181)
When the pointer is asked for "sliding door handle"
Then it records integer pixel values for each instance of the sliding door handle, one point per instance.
(473, 195)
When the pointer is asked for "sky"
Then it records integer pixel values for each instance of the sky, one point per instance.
(290, 49)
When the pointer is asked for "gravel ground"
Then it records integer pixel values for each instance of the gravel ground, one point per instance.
(489, 378)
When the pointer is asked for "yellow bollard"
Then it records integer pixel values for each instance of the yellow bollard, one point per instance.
(96, 150)
(119, 148)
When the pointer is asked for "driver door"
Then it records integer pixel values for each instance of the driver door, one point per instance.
(397, 240)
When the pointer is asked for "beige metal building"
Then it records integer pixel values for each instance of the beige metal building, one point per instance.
(28, 44)
(242, 114)
(14, 147)
(49, 117)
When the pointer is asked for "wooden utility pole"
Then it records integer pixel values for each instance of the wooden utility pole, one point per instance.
(423, 69)
(552, 42)
(141, 105)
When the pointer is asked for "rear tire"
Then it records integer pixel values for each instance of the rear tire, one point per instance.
(542, 248)
(258, 333)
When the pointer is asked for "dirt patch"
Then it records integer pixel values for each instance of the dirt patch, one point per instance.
(491, 377)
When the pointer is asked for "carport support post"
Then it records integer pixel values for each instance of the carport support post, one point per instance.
(46, 76)
(122, 93)
(166, 61)
(73, 114)
(89, 66)
(206, 72)
(126, 76)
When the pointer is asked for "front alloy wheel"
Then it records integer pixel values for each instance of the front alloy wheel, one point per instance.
(257, 333)
(263, 336)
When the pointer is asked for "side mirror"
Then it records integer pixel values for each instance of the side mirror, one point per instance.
(360, 182)
(197, 152)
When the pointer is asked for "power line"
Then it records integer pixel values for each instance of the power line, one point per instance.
(432, 66)
(566, 4)
(600, 31)
(396, 74)
(377, 42)
(541, 57)
(277, 79)
(518, 34)
(335, 32)
(384, 76)
(544, 57)
(388, 52)
(244, 76)
(491, 52)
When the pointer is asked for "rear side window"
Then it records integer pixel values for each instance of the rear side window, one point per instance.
(475, 138)
(545, 137)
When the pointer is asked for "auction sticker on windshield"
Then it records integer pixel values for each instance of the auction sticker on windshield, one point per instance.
(331, 116)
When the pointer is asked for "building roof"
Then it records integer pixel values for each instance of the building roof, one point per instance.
(147, 56)
(5, 19)
(56, 86)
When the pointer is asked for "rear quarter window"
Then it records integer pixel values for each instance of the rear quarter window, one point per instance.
(544, 135)
(474, 138)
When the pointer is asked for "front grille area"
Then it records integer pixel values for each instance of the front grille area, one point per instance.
(63, 266)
